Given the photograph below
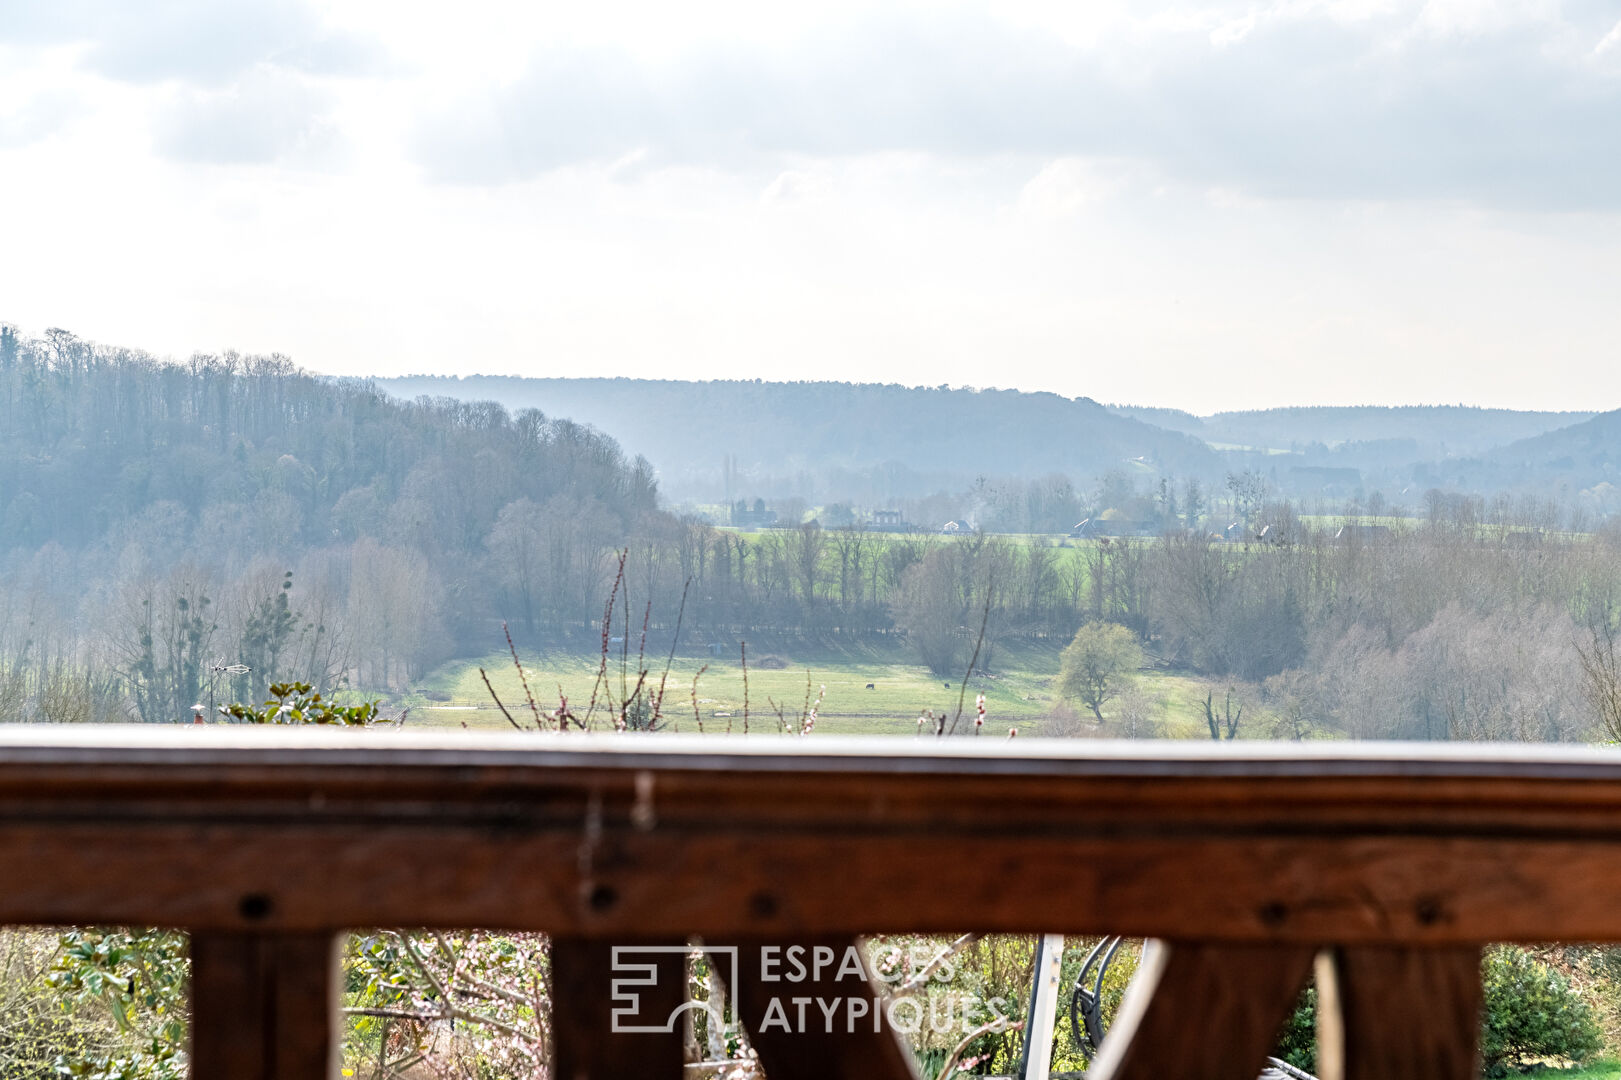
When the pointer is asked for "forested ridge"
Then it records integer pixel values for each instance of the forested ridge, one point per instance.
(94, 437)
(159, 520)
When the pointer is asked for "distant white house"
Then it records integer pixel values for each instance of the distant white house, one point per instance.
(1348, 534)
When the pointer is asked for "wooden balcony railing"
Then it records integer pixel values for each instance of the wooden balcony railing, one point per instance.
(1387, 866)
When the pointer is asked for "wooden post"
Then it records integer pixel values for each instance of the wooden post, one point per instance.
(616, 1010)
(810, 1010)
(1399, 1013)
(264, 1006)
(1202, 1012)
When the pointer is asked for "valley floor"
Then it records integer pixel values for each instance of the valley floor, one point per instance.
(869, 690)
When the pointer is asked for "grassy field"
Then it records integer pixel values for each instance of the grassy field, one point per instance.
(1019, 693)
(1060, 541)
(1596, 1070)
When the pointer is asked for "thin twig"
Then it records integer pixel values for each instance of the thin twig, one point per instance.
(696, 715)
(949, 1069)
(680, 614)
(919, 980)
(624, 642)
(607, 632)
(422, 965)
(963, 693)
(497, 700)
(443, 1014)
(523, 677)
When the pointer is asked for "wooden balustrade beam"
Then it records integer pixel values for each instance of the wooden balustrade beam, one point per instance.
(1199, 1011)
(250, 831)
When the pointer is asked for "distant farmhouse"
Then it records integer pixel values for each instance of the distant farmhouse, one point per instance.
(755, 517)
(1362, 534)
(1098, 528)
(890, 521)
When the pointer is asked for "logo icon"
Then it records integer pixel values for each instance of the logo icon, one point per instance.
(632, 978)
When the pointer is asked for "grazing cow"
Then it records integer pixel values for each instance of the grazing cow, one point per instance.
(948, 686)
(870, 686)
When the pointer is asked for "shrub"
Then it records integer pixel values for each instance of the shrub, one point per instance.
(1297, 1042)
(295, 703)
(139, 978)
(1532, 1011)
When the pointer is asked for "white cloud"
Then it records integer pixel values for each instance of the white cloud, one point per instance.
(1437, 101)
(266, 116)
(1068, 185)
(795, 186)
(202, 41)
(1608, 41)
(1207, 204)
(36, 116)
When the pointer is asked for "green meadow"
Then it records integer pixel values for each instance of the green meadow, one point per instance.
(865, 690)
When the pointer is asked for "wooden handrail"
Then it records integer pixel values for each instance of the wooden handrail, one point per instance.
(229, 828)
(1402, 859)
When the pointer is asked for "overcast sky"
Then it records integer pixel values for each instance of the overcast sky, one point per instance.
(1209, 206)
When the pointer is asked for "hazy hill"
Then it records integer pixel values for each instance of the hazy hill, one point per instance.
(1581, 455)
(1338, 451)
(839, 440)
(1436, 431)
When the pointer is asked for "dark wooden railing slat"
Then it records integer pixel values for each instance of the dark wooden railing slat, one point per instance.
(817, 1045)
(264, 1006)
(1387, 1013)
(585, 1043)
(1198, 1011)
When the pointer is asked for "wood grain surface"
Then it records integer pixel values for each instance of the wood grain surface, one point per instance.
(264, 1006)
(603, 836)
(1202, 1012)
(1399, 1014)
(1400, 860)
